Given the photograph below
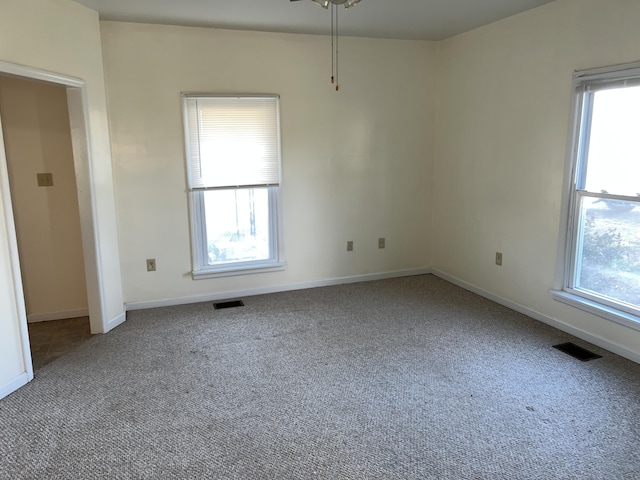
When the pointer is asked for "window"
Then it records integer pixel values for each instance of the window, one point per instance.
(233, 170)
(603, 248)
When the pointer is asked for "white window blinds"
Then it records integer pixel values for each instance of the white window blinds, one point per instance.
(232, 141)
(606, 78)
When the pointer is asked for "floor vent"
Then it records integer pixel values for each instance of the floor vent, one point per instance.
(231, 304)
(577, 352)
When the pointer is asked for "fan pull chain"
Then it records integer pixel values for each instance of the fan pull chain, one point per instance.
(337, 77)
(332, 47)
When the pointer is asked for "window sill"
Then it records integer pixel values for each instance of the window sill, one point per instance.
(604, 311)
(231, 271)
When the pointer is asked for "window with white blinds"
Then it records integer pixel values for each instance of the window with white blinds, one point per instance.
(233, 170)
(232, 141)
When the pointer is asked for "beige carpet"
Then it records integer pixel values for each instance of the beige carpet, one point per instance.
(396, 379)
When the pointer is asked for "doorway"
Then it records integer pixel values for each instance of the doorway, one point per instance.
(15, 356)
(44, 197)
(91, 159)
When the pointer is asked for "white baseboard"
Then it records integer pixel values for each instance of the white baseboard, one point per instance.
(46, 317)
(274, 289)
(601, 342)
(14, 384)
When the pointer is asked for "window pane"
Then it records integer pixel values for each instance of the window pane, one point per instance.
(237, 225)
(614, 163)
(609, 257)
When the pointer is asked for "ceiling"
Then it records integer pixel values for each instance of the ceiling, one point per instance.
(400, 19)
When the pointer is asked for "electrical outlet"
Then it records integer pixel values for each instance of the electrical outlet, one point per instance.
(350, 246)
(499, 259)
(381, 243)
(151, 264)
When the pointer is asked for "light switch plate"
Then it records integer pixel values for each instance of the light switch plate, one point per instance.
(45, 179)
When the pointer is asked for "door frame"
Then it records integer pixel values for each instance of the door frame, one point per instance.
(78, 121)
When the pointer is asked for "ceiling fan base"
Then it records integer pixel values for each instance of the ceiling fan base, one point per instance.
(326, 3)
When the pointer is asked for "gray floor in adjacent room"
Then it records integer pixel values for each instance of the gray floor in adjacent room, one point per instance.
(395, 379)
(54, 339)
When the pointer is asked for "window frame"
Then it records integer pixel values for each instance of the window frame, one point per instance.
(586, 83)
(197, 212)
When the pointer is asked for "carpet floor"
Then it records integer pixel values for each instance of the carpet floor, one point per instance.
(396, 379)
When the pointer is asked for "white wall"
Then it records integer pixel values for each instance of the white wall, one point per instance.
(504, 94)
(356, 164)
(64, 37)
(35, 124)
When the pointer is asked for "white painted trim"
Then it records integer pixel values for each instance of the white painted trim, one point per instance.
(46, 317)
(274, 289)
(45, 76)
(563, 251)
(606, 344)
(77, 104)
(16, 273)
(597, 308)
(79, 123)
(246, 269)
(20, 381)
(114, 322)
